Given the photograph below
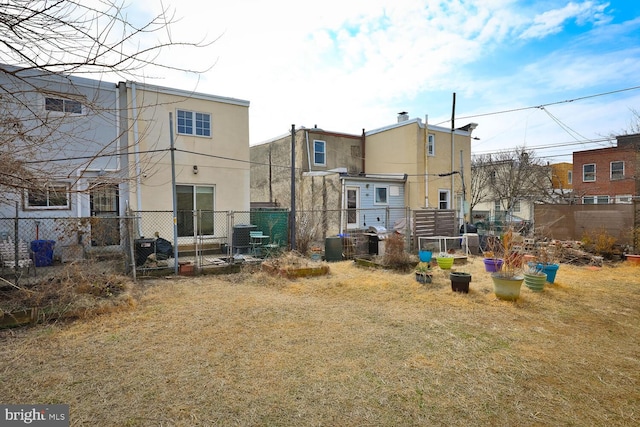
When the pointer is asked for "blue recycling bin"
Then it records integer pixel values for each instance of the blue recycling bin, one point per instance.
(42, 252)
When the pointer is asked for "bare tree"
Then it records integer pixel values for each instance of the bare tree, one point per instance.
(48, 41)
(508, 177)
(480, 181)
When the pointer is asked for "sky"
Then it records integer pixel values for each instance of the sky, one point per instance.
(554, 76)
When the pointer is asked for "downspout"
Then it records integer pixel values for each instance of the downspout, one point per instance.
(364, 143)
(136, 147)
(306, 135)
(342, 204)
(426, 160)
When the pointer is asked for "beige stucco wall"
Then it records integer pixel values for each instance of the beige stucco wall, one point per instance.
(222, 159)
(402, 149)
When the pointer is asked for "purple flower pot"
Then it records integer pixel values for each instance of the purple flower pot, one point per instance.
(493, 264)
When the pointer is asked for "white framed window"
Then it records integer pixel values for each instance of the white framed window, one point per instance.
(497, 206)
(431, 145)
(444, 199)
(516, 206)
(193, 123)
(61, 105)
(570, 177)
(595, 200)
(589, 172)
(624, 199)
(53, 196)
(319, 153)
(381, 195)
(617, 170)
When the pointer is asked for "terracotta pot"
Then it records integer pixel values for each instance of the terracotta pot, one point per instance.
(633, 259)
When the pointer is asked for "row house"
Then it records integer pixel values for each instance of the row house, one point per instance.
(608, 175)
(106, 147)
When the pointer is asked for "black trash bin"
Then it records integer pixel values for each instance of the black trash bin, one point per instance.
(144, 248)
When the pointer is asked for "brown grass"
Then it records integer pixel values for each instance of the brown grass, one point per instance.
(357, 348)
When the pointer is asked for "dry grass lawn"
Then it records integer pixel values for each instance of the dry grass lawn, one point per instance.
(356, 348)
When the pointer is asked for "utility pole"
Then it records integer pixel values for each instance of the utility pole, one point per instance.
(292, 219)
(453, 162)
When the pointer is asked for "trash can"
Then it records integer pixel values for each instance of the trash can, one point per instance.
(42, 252)
(144, 248)
(333, 249)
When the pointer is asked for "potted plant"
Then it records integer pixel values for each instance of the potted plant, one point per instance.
(423, 272)
(492, 263)
(508, 280)
(445, 260)
(460, 281)
(534, 277)
(547, 256)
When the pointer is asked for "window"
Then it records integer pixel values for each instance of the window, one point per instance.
(62, 105)
(589, 172)
(595, 200)
(381, 195)
(497, 206)
(443, 199)
(319, 153)
(570, 177)
(431, 145)
(617, 170)
(54, 196)
(625, 199)
(191, 123)
(516, 206)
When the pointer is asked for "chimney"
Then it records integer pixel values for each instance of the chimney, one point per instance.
(403, 116)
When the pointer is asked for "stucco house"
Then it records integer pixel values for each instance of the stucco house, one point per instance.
(211, 156)
(437, 161)
(102, 148)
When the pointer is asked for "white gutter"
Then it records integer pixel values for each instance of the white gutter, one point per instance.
(306, 134)
(136, 147)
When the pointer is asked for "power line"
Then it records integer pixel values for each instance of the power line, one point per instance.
(541, 106)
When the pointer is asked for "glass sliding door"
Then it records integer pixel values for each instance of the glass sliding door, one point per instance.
(192, 198)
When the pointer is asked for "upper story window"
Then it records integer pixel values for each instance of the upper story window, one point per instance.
(589, 172)
(570, 177)
(62, 105)
(54, 196)
(319, 153)
(192, 123)
(381, 194)
(497, 206)
(443, 199)
(516, 206)
(431, 145)
(617, 170)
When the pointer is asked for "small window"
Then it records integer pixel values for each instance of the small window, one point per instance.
(595, 200)
(431, 145)
(62, 105)
(443, 199)
(625, 199)
(192, 123)
(588, 200)
(617, 170)
(602, 200)
(381, 195)
(51, 197)
(589, 172)
(319, 153)
(570, 177)
(497, 206)
(516, 206)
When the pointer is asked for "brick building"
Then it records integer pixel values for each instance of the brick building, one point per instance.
(608, 175)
